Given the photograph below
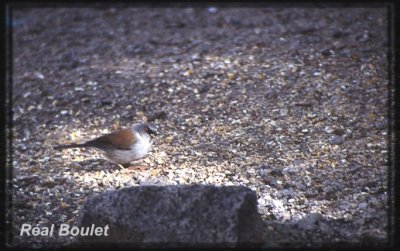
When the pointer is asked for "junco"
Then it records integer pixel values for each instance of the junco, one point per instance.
(122, 146)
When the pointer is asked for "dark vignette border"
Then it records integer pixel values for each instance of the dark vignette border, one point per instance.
(393, 105)
(6, 126)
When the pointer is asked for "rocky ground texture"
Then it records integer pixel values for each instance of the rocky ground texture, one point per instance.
(290, 102)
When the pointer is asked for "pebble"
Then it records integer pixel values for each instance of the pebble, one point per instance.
(212, 10)
(39, 75)
(329, 130)
(277, 203)
(380, 125)
(336, 140)
(362, 205)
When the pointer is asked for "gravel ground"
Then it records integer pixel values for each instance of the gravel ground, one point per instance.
(291, 102)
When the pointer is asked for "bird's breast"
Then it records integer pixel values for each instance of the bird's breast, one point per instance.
(137, 151)
(141, 148)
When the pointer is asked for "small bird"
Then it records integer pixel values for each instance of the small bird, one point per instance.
(122, 146)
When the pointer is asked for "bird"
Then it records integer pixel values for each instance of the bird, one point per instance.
(122, 146)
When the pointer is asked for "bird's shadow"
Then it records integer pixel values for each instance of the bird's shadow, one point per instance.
(94, 165)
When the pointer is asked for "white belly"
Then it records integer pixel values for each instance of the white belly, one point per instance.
(137, 151)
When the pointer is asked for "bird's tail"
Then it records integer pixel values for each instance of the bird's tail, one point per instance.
(69, 146)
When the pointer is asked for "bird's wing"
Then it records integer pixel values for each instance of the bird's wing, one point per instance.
(122, 139)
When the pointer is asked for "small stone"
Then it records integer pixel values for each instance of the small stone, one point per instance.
(338, 131)
(39, 75)
(310, 221)
(354, 168)
(336, 140)
(348, 134)
(379, 125)
(195, 57)
(160, 161)
(288, 192)
(298, 162)
(329, 130)
(363, 205)
(92, 83)
(305, 130)
(292, 169)
(326, 52)
(276, 172)
(364, 37)
(106, 102)
(277, 203)
(212, 10)
(257, 30)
